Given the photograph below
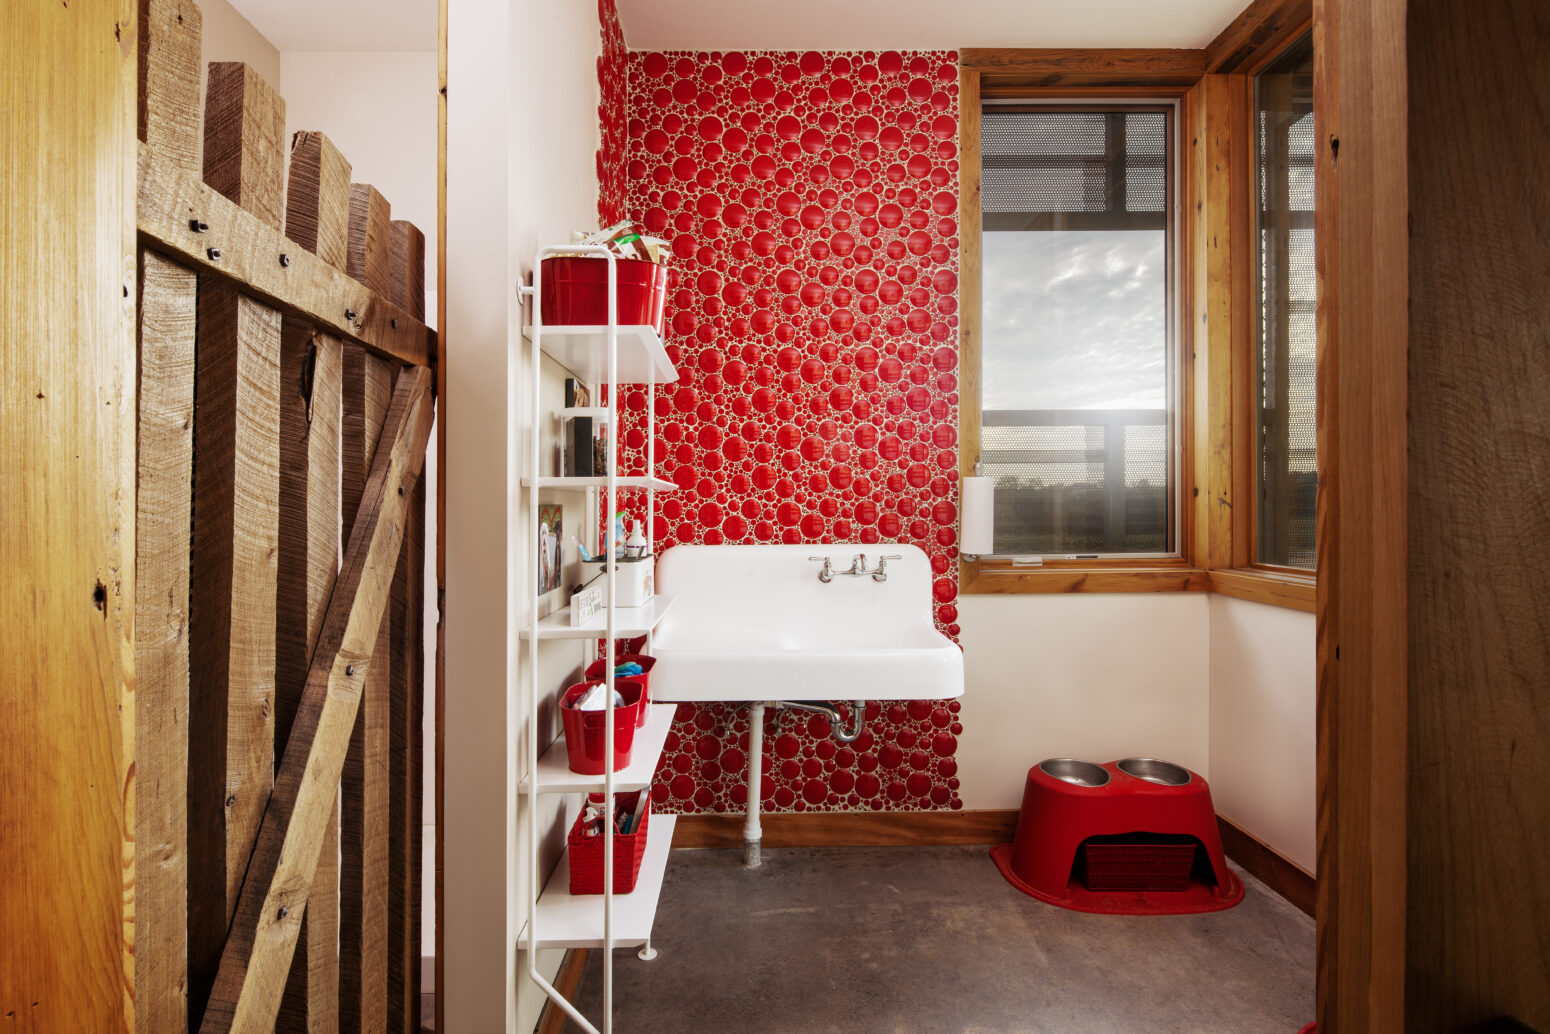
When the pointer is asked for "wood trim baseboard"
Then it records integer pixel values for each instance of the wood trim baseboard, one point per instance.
(553, 1019)
(852, 829)
(1270, 867)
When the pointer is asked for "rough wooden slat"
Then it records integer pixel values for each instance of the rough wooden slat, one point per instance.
(405, 715)
(317, 215)
(168, 309)
(371, 238)
(309, 553)
(408, 268)
(235, 545)
(171, 203)
(258, 952)
(317, 204)
(416, 875)
(67, 524)
(244, 140)
(363, 882)
(170, 32)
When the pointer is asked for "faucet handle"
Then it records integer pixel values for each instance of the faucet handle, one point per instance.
(881, 574)
(827, 574)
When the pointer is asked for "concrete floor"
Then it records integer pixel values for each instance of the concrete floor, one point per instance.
(934, 941)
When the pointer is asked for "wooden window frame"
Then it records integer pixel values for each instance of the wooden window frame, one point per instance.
(1213, 88)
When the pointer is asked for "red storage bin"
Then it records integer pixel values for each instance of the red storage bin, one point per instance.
(584, 731)
(586, 853)
(596, 669)
(575, 292)
(1139, 862)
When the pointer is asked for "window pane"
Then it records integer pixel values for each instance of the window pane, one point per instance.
(1076, 423)
(1285, 399)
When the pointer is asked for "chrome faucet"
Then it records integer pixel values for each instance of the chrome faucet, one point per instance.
(881, 574)
(827, 574)
(858, 567)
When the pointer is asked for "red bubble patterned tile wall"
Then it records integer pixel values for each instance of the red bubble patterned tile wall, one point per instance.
(811, 203)
(612, 107)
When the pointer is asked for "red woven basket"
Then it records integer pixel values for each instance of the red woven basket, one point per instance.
(1138, 862)
(586, 853)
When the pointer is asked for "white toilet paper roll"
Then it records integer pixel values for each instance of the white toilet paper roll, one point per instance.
(977, 515)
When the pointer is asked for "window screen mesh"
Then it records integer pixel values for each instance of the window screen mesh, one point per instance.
(1074, 169)
(1286, 399)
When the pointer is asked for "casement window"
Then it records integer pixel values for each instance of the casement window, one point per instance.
(1286, 477)
(1080, 372)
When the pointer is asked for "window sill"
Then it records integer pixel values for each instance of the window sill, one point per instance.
(1277, 588)
(989, 578)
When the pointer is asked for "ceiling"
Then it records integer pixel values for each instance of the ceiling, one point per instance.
(920, 24)
(379, 25)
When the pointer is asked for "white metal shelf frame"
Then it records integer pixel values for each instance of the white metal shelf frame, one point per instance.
(610, 485)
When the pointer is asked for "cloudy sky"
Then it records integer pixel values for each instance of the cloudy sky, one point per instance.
(1075, 320)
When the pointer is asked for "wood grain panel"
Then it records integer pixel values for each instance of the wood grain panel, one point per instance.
(258, 953)
(67, 529)
(1478, 935)
(317, 204)
(370, 255)
(364, 817)
(182, 217)
(244, 141)
(1361, 261)
(168, 310)
(168, 107)
(232, 611)
(1258, 32)
(404, 715)
(407, 253)
(1295, 591)
(1053, 67)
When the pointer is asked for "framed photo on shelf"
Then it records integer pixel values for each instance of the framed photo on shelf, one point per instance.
(550, 539)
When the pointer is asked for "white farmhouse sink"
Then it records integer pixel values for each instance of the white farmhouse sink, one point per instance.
(755, 623)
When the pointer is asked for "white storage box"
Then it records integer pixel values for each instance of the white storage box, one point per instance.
(635, 580)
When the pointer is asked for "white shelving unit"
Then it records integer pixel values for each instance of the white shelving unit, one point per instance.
(616, 356)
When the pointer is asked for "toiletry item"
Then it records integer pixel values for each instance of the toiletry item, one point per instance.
(592, 700)
(624, 671)
(635, 545)
(619, 543)
(640, 811)
(583, 551)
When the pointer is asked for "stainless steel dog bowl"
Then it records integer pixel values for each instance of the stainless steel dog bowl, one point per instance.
(1077, 773)
(1163, 773)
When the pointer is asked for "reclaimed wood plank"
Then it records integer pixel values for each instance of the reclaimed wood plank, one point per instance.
(179, 215)
(257, 955)
(408, 268)
(406, 715)
(244, 140)
(67, 528)
(231, 625)
(363, 817)
(168, 104)
(317, 217)
(1259, 32)
(371, 238)
(168, 310)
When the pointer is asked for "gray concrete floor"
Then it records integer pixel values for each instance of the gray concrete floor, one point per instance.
(934, 941)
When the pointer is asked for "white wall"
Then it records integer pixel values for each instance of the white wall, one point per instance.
(522, 135)
(1263, 775)
(1094, 676)
(379, 109)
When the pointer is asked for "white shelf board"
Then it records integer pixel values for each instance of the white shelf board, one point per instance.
(584, 352)
(555, 776)
(628, 621)
(567, 920)
(578, 483)
(598, 413)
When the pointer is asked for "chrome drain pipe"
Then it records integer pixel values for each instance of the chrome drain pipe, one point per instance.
(836, 722)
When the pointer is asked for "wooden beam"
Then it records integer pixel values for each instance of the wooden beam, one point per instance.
(231, 621)
(317, 211)
(257, 955)
(1092, 67)
(1361, 214)
(240, 248)
(370, 258)
(553, 1019)
(408, 268)
(168, 107)
(364, 817)
(244, 141)
(1257, 34)
(317, 205)
(404, 712)
(168, 303)
(67, 527)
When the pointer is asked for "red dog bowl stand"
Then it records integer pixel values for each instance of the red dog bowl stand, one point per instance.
(1057, 816)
